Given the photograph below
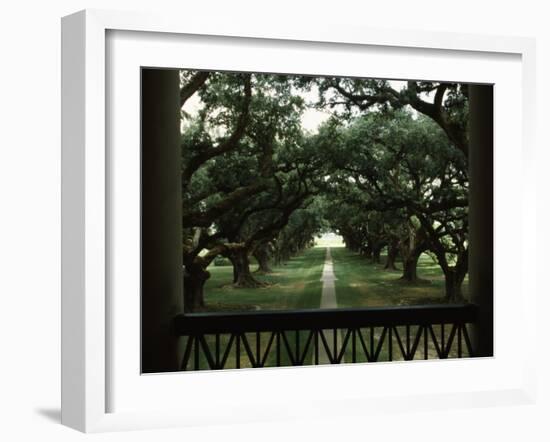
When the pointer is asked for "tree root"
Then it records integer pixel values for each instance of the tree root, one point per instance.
(249, 282)
(417, 281)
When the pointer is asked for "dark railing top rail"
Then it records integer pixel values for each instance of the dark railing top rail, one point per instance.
(281, 320)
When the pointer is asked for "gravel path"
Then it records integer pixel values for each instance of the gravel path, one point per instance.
(328, 300)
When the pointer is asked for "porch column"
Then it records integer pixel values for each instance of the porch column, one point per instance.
(481, 214)
(161, 235)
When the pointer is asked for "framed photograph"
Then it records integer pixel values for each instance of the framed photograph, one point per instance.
(251, 213)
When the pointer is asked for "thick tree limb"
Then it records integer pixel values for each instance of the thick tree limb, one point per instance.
(270, 230)
(206, 218)
(193, 86)
(456, 134)
(230, 143)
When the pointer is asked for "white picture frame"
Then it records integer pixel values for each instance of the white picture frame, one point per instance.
(86, 201)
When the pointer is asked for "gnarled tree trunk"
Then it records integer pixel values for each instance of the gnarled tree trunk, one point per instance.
(366, 251)
(376, 250)
(453, 285)
(261, 253)
(194, 278)
(242, 276)
(454, 277)
(393, 251)
(375, 244)
(410, 263)
(411, 249)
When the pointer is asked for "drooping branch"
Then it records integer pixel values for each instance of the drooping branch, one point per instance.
(365, 101)
(228, 144)
(436, 110)
(232, 231)
(270, 230)
(393, 203)
(206, 218)
(196, 82)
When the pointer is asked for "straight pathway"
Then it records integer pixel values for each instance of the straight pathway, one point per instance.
(328, 300)
(328, 295)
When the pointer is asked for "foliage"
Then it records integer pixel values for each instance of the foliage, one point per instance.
(387, 167)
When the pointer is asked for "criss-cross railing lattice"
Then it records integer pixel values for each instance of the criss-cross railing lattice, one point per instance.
(330, 336)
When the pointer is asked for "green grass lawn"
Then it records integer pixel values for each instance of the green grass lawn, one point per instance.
(294, 285)
(362, 284)
(297, 285)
